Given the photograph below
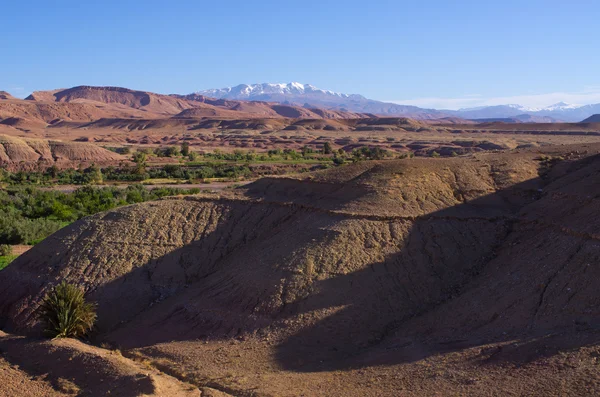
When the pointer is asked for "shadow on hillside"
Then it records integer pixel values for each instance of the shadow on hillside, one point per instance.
(512, 302)
(399, 309)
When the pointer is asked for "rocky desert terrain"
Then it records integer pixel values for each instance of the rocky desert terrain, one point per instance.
(113, 116)
(472, 275)
(299, 199)
(33, 154)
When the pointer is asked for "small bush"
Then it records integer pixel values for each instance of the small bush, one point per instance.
(5, 250)
(66, 313)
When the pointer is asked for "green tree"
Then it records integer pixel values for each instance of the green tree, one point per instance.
(193, 156)
(306, 150)
(139, 158)
(171, 151)
(53, 171)
(93, 174)
(337, 160)
(327, 149)
(185, 149)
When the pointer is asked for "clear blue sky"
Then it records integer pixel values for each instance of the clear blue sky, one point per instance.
(412, 51)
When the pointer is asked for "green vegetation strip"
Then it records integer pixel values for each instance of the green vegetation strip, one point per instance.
(28, 215)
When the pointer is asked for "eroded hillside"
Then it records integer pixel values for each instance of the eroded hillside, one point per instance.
(371, 270)
(36, 154)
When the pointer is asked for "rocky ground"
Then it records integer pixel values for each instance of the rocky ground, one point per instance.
(460, 276)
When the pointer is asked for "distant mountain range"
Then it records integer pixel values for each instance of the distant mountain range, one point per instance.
(558, 112)
(308, 96)
(103, 106)
(293, 100)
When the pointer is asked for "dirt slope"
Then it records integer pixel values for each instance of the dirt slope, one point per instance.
(33, 154)
(68, 367)
(469, 265)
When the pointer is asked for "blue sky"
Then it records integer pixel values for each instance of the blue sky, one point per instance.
(428, 53)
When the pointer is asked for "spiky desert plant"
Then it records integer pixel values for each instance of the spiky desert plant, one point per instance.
(66, 313)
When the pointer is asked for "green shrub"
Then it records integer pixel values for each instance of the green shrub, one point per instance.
(66, 313)
(28, 215)
(5, 250)
(368, 153)
(193, 156)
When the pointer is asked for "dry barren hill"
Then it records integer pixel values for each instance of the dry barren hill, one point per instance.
(473, 276)
(150, 102)
(48, 113)
(34, 154)
(592, 119)
(161, 106)
(5, 95)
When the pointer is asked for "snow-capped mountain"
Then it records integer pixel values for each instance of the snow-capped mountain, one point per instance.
(267, 90)
(559, 112)
(310, 96)
(560, 106)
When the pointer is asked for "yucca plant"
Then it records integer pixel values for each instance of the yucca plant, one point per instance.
(66, 313)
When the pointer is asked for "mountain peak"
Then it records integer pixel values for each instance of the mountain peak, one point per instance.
(562, 106)
(5, 95)
(264, 91)
(307, 96)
